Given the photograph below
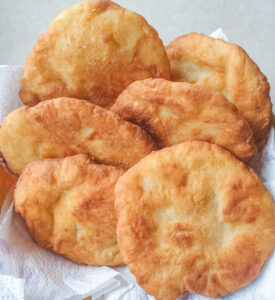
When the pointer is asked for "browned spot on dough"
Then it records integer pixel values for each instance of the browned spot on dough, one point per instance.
(196, 282)
(182, 235)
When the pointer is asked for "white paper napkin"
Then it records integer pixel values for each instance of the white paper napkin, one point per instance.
(28, 271)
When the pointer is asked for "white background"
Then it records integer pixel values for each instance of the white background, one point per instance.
(249, 23)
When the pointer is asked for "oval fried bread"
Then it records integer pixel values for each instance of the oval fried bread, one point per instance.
(225, 68)
(93, 50)
(64, 126)
(192, 217)
(68, 206)
(174, 112)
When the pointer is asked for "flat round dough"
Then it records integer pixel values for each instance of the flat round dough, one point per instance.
(93, 50)
(68, 206)
(63, 127)
(225, 68)
(192, 217)
(174, 112)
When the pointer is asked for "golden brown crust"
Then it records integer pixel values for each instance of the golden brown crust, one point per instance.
(192, 217)
(225, 68)
(64, 126)
(174, 112)
(68, 205)
(93, 50)
(6, 182)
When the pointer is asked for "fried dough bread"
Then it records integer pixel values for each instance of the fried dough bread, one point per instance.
(192, 217)
(225, 68)
(63, 127)
(174, 112)
(68, 206)
(93, 50)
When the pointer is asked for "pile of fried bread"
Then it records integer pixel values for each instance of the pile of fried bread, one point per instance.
(132, 153)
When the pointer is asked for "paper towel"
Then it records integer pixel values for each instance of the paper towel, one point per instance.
(28, 271)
